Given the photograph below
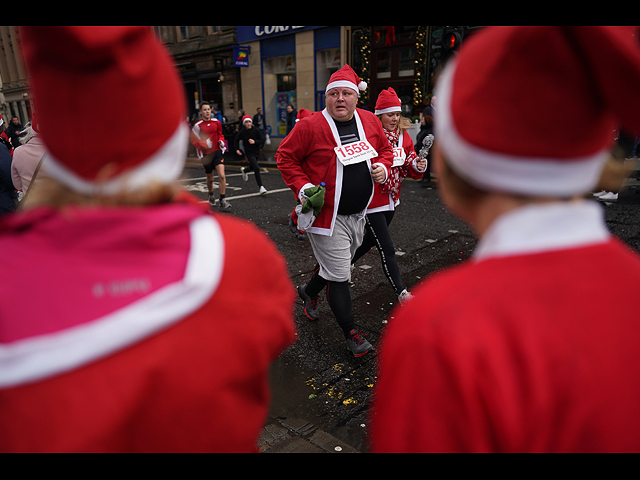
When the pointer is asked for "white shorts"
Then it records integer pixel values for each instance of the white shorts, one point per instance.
(334, 253)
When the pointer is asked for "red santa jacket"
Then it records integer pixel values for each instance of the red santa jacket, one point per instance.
(532, 346)
(206, 135)
(124, 330)
(386, 196)
(307, 157)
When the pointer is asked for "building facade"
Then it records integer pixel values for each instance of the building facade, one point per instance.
(288, 65)
(14, 94)
(242, 68)
(204, 58)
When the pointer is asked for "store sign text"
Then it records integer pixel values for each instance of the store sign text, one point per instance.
(263, 30)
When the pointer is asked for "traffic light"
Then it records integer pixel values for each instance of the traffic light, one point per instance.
(451, 41)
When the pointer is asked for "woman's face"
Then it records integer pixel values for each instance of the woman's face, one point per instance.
(390, 120)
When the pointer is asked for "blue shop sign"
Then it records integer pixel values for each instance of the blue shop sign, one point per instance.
(241, 56)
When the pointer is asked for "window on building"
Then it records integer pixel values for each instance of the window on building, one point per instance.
(406, 62)
(279, 80)
(383, 64)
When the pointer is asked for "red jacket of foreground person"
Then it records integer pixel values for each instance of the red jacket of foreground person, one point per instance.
(125, 330)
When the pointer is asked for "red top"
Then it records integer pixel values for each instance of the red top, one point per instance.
(206, 135)
(125, 330)
(535, 351)
(306, 157)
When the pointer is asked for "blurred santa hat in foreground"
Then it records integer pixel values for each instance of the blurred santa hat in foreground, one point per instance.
(531, 110)
(110, 106)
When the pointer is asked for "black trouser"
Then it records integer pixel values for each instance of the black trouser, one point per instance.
(253, 165)
(377, 233)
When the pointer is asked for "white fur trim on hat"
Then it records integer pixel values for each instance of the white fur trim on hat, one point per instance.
(397, 108)
(342, 83)
(347, 84)
(165, 166)
(497, 171)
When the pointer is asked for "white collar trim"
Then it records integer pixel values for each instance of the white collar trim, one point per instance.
(540, 228)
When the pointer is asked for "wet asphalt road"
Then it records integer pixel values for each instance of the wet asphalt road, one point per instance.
(318, 387)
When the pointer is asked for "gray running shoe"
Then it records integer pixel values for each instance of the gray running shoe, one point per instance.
(358, 345)
(404, 297)
(310, 304)
(224, 203)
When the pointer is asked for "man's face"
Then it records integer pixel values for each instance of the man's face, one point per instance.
(341, 103)
(205, 111)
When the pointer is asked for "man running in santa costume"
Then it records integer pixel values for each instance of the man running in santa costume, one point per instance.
(346, 149)
(525, 347)
(122, 328)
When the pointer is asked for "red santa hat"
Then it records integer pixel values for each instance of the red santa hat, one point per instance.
(531, 110)
(346, 77)
(246, 117)
(388, 102)
(303, 113)
(110, 106)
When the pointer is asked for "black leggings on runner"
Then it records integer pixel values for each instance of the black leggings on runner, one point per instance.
(339, 298)
(377, 233)
(253, 165)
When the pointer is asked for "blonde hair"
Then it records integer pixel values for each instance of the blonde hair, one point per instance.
(403, 123)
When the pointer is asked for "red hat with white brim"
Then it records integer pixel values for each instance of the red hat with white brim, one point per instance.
(86, 82)
(346, 78)
(531, 110)
(388, 102)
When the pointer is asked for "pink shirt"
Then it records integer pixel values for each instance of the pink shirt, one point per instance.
(25, 162)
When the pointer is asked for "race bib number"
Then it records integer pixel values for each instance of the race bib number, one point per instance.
(399, 156)
(355, 152)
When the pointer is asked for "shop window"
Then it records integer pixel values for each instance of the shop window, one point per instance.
(383, 64)
(327, 62)
(406, 62)
(285, 82)
(279, 80)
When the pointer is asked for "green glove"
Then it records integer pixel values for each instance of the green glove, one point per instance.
(315, 200)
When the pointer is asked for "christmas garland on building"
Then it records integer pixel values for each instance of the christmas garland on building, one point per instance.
(419, 82)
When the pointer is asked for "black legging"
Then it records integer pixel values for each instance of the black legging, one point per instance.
(253, 165)
(377, 233)
(339, 298)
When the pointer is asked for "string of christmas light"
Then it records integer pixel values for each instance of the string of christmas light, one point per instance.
(365, 55)
(419, 82)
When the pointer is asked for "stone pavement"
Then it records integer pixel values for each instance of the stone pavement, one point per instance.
(293, 435)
